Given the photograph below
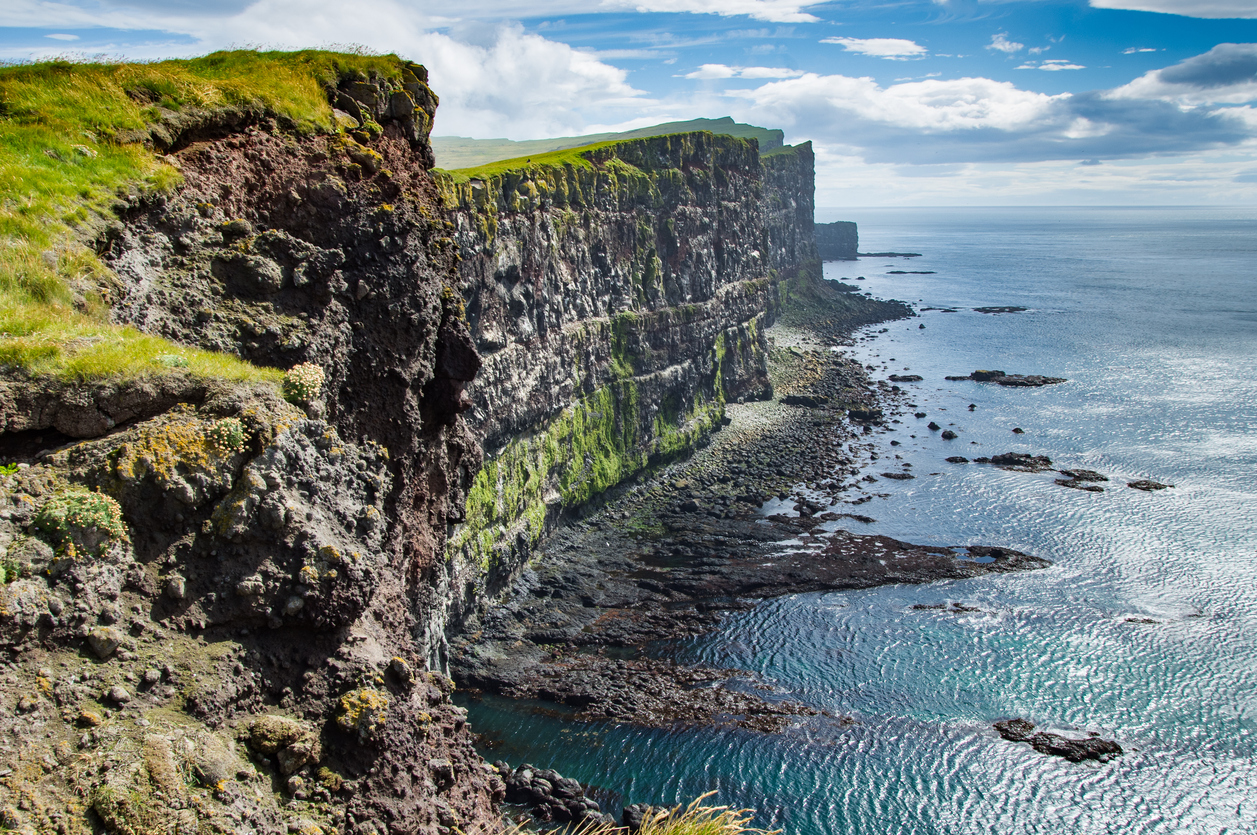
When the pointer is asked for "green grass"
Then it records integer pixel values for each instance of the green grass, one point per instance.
(456, 152)
(576, 157)
(70, 147)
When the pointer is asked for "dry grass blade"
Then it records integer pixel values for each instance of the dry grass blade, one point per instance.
(695, 819)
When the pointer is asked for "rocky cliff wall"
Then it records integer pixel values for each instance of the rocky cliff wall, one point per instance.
(218, 605)
(618, 300)
(227, 597)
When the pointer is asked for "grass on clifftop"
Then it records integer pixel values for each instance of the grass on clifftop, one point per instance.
(567, 156)
(71, 147)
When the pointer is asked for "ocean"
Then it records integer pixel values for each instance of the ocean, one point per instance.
(1143, 630)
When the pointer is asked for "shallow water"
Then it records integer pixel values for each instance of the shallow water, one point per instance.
(1151, 314)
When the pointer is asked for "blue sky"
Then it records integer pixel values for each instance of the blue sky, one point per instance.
(908, 102)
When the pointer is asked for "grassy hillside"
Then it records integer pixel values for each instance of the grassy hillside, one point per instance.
(458, 152)
(75, 144)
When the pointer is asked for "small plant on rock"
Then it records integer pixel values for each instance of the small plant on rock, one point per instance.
(11, 570)
(80, 520)
(226, 437)
(303, 383)
(363, 711)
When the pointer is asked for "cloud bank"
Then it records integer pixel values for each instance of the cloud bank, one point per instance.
(1215, 9)
(978, 120)
(1226, 74)
(895, 49)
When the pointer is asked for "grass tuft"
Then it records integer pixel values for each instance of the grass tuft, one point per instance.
(694, 819)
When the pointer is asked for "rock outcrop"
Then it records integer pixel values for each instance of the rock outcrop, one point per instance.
(838, 241)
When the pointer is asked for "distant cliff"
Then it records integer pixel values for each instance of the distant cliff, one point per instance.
(618, 296)
(837, 241)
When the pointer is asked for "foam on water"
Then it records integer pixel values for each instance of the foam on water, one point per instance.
(1151, 316)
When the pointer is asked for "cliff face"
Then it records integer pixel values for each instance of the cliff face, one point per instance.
(234, 629)
(618, 299)
(838, 241)
(221, 604)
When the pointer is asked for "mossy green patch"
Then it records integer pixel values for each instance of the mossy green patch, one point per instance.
(80, 520)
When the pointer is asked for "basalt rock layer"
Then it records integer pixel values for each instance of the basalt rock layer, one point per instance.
(618, 300)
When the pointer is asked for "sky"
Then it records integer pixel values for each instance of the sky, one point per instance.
(907, 102)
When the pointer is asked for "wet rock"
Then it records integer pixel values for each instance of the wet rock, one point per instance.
(1077, 484)
(866, 415)
(550, 796)
(1010, 380)
(810, 401)
(1083, 475)
(1020, 462)
(956, 459)
(898, 476)
(906, 378)
(635, 815)
(1148, 486)
(933, 427)
(949, 435)
(1075, 750)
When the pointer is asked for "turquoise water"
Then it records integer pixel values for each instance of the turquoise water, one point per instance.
(1152, 316)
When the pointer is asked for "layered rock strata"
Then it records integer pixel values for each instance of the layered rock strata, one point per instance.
(618, 299)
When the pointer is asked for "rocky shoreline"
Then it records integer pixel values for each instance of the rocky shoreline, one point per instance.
(761, 512)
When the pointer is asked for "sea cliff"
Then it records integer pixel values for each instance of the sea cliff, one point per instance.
(227, 592)
(618, 298)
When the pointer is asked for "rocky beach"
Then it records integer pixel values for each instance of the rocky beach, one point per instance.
(588, 623)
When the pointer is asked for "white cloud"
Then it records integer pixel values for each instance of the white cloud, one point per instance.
(930, 106)
(1226, 74)
(1131, 50)
(894, 49)
(712, 71)
(1187, 8)
(709, 72)
(777, 11)
(972, 120)
(62, 37)
(1001, 43)
(1052, 65)
(519, 85)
